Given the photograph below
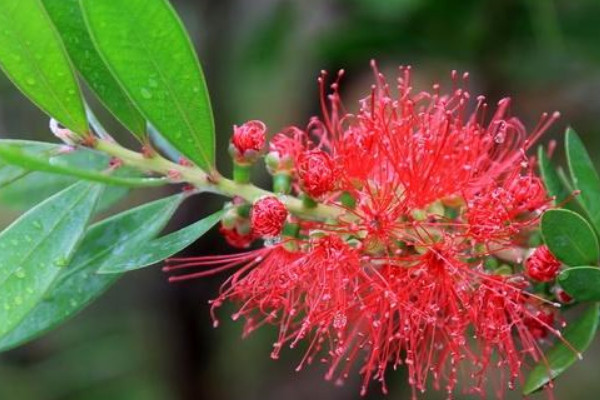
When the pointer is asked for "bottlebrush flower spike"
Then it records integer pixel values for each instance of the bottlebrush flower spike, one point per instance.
(415, 194)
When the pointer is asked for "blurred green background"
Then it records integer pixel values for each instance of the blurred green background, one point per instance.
(147, 339)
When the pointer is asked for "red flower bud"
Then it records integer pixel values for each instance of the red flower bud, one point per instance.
(542, 266)
(235, 238)
(248, 140)
(540, 323)
(268, 216)
(316, 172)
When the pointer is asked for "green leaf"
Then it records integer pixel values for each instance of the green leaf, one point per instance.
(570, 237)
(584, 176)
(560, 357)
(21, 189)
(552, 180)
(145, 46)
(16, 155)
(37, 246)
(68, 19)
(33, 57)
(582, 283)
(78, 284)
(9, 173)
(35, 187)
(161, 248)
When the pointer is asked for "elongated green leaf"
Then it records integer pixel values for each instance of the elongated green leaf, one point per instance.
(78, 284)
(10, 173)
(33, 57)
(161, 248)
(21, 189)
(35, 248)
(582, 283)
(560, 357)
(68, 19)
(35, 187)
(15, 155)
(584, 176)
(147, 49)
(552, 180)
(570, 237)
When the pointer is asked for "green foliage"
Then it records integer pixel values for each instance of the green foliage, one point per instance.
(78, 284)
(159, 249)
(555, 186)
(15, 154)
(582, 283)
(579, 335)
(22, 188)
(158, 69)
(570, 237)
(68, 19)
(584, 177)
(33, 57)
(138, 72)
(37, 247)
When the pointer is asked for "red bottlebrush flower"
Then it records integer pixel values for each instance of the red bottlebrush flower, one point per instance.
(542, 266)
(398, 278)
(316, 172)
(268, 216)
(248, 140)
(235, 238)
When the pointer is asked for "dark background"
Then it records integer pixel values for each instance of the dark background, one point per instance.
(147, 339)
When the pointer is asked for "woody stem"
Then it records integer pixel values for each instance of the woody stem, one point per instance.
(210, 182)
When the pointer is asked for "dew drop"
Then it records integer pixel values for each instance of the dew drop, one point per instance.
(61, 262)
(152, 83)
(30, 81)
(146, 93)
(20, 273)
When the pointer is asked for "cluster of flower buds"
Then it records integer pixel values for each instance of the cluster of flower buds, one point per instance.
(410, 247)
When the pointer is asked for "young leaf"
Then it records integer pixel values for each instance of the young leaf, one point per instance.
(584, 176)
(570, 237)
(145, 46)
(68, 19)
(16, 155)
(161, 248)
(35, 248)
(33, 57)
(552, 180)
(78, 284)
(560, 357)
(582, 283)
